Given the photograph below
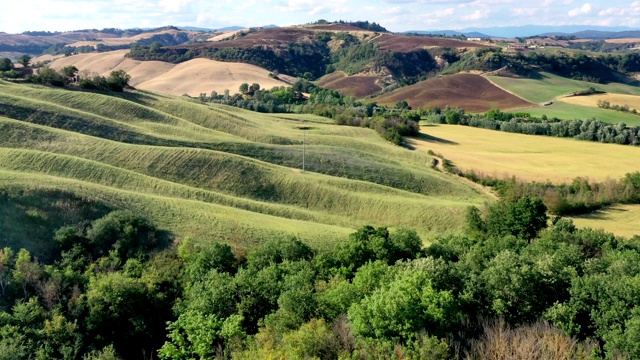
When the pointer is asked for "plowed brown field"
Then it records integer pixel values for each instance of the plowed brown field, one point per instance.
(405, 43)
(468, 91)
(357, 86)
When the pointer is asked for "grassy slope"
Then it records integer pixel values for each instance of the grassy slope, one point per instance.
(566, 111)
(550, 86)
(213, 171)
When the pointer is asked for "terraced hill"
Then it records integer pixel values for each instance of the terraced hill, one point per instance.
(208, 171)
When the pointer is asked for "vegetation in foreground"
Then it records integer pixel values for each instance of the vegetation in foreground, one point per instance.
(117, 288)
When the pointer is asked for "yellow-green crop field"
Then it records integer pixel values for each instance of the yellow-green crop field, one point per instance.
(632, 101)
(621, 220)
(539, 158)
(528, 157)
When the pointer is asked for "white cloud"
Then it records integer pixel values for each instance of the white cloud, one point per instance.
(525, 11)
(477, 15)
(584, 10)
(444, 12)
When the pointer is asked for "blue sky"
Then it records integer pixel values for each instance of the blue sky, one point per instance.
(396, 15)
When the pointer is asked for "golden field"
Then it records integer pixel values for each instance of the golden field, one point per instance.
(527, 157)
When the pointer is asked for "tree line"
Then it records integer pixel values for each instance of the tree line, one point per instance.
(391, 124)
(523, 123)
(600, 69)
(117, 80)
(119, 288)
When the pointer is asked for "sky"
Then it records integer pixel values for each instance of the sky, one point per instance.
(395, 15)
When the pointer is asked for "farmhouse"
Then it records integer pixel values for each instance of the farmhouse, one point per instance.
(474, 39)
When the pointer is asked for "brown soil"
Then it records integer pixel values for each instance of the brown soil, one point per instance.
(468, 91)
(356, 86)
(335, 27)
(275, 36)
(405, 43)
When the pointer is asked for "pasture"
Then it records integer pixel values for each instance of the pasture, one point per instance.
(216, 172)
(548, 86)
(528, 157)
(567, 111)
(632, 101)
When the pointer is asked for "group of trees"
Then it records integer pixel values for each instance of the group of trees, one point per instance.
(391, 124)
(116, 81)
(580, 196)
(600, 69)
(7, 67)
(117, 289)
(524, 123)
(603, 104)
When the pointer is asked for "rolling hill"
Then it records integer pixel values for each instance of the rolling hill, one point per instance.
(548, 87)
(192, 77)
(209, 171)
(357, 86)
(472, 92)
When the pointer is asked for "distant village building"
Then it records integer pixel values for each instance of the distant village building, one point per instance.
(474, 39)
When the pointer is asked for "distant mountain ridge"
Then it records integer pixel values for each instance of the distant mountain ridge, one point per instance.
(601, 35)
(532, 30)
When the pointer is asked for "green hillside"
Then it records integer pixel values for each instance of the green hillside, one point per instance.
(549, 86)
(566, 111)
(207, 171)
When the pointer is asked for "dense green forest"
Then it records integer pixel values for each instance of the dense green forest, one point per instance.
(118, 287)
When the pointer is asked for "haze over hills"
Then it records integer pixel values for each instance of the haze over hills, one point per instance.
(528, 30)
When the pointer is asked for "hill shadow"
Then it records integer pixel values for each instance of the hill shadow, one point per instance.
(435, 139)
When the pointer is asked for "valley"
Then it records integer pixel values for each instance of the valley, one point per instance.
(327, 190)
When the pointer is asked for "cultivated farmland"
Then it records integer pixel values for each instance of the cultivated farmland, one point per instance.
(632, 101)
(357, 86)
(548, 86)
(191, 77)
(405, 43)
(621, 220)
(528, 157)
(472, 92)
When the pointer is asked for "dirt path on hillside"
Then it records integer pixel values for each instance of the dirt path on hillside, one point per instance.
(478, 187)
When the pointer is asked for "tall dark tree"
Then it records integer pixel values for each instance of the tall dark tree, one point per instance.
(5, 64)
(24, 60)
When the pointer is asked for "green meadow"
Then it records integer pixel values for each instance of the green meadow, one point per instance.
(548, 86)
(208, 171)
